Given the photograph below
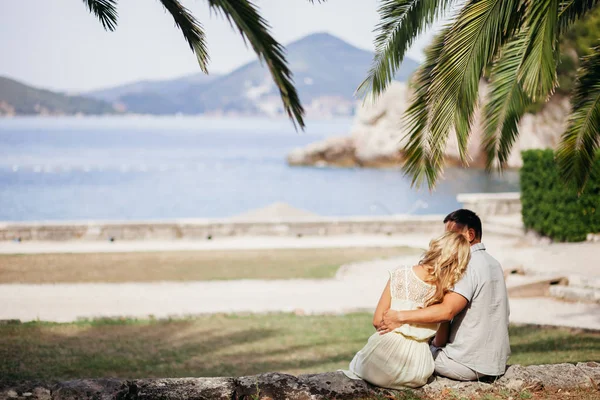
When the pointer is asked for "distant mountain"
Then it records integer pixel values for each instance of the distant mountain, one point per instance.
(326, 70)
(168, 87)
(17, 98)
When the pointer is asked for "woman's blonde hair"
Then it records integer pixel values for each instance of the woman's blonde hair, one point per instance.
(445, 262)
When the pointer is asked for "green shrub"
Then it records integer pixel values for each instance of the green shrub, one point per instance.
(552, 208)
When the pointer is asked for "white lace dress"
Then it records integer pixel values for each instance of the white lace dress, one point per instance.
(400, 358)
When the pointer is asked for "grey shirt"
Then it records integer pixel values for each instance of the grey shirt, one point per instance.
(479, 333)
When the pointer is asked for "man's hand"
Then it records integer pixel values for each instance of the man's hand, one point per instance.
(391, 320)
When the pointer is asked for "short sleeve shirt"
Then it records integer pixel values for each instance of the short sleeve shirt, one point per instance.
(479, 333)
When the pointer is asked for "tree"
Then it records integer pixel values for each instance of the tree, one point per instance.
(516, 43)
(241, 14)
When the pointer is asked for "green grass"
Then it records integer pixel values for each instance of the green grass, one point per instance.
(185, 265)
(226, 345)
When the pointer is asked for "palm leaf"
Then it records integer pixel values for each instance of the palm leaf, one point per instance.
(507, 102)
(105, 11)
(401, 21)
(480, 29)
(572, 10)
(418, 163)
(244, 15)
(579, 143)
(538, 74)
(191, 29)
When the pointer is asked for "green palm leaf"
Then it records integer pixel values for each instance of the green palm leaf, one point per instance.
(418, 164)
(401, 21)
(572, 10)
(538, 74)
(244, 15)
(191, 29)
(474, 39)
(507, 102)
(105, 11)
(578, 146)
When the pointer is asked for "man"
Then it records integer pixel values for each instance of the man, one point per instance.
(475, 344)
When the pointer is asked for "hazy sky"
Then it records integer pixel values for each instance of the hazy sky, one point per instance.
(58, 44)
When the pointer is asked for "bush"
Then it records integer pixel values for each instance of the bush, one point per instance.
(552, 208)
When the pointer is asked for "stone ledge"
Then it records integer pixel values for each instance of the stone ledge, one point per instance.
(330, 385)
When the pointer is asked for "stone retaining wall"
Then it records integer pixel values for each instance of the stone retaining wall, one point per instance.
(276, 386)
(204, 229)
(491, 204)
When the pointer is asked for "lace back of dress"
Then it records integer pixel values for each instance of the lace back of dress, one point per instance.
(405, 285)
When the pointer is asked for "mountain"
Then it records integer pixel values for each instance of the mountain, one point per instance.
(326, 70)
(17, 98)
(159, 87)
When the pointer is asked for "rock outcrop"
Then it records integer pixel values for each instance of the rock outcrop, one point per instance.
(378, 134)
(277, 386)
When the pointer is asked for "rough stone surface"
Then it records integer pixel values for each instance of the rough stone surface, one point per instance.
(179, 388)
(379, 134)
(279, 386)
(92, 389)
(592, 370)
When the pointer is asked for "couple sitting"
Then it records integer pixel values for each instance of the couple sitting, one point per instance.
(456, 295)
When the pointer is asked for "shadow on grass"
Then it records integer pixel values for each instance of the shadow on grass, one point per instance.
(201, 347)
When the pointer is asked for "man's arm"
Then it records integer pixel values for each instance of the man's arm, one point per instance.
(452, 304)
(442, 335)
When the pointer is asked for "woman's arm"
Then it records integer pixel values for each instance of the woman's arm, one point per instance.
(384, 304)
(442, 335)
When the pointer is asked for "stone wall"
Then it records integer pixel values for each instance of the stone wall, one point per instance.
(213, 228)
(331, 385)
(491, 204)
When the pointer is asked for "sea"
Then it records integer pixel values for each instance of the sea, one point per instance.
(157, 168)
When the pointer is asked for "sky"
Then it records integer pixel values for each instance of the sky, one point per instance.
(59, 45)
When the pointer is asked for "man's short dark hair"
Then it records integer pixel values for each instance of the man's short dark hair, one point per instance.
(466, 218)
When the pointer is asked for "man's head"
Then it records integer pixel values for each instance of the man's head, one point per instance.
(465, 222)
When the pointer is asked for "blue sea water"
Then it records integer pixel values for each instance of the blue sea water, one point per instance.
(65, 168)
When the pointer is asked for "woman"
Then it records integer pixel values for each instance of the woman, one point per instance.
(402, 358)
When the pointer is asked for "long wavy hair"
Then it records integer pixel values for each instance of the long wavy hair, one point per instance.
(445, 261)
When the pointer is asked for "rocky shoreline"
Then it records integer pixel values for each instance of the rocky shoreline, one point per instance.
(378, 135)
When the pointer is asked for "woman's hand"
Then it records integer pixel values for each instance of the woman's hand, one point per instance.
(391, 320)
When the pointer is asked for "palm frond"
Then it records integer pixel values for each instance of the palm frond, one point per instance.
(507, 102)
(572, 10)
(401, 21)
(579, 143)
(538, 74)
(479, 30)
(191, 29)
(418, 165)
(251, 25)
(105, 11)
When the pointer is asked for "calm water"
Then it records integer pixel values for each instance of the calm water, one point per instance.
(156, 168)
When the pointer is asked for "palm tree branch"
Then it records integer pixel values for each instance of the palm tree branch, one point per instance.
(401, 21)
(480, 29)
(251, 25)
(573, 10)
(105, 11)
(191, 29)
(538, 74)
(418, 163)
(507, 102)
(581, 140)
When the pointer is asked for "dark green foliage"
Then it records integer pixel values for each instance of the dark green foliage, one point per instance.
(552, 208)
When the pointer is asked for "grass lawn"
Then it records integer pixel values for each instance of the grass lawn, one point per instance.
(185, 265)
(227, 345)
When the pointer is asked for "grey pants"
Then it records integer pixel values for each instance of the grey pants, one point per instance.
(449, 368)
